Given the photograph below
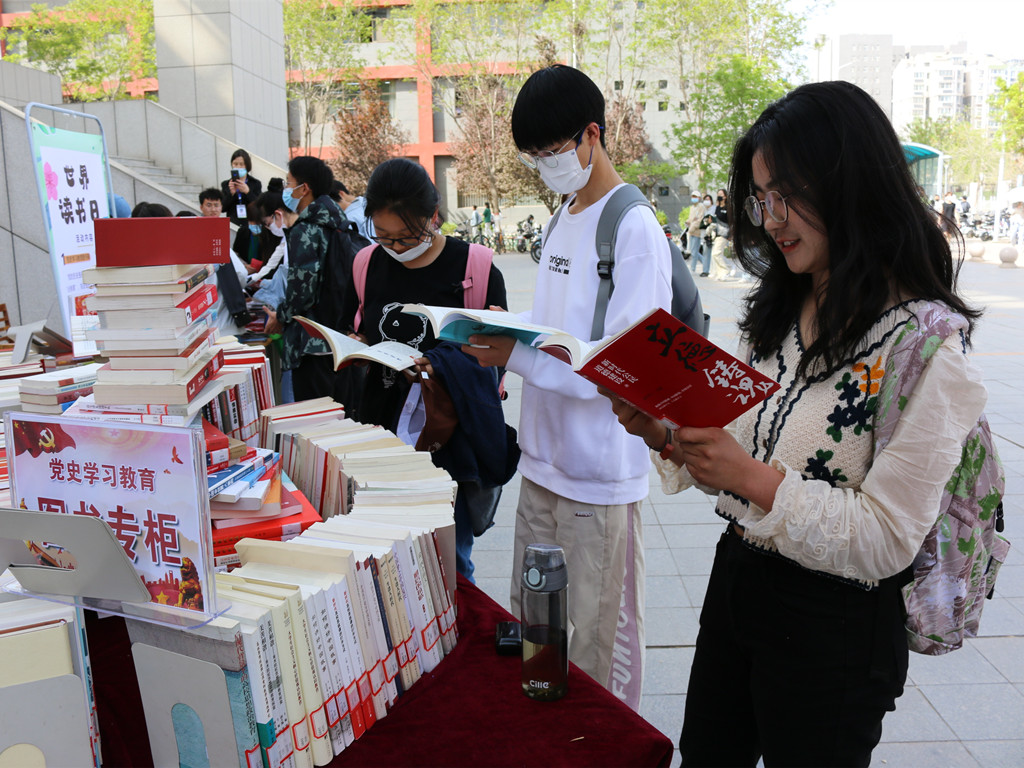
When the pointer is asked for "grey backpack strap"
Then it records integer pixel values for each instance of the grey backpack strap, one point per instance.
(622, 200)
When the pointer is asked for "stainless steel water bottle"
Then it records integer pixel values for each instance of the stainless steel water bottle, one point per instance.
(544, 598)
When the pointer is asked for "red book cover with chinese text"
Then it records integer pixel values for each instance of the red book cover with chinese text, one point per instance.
(669, 371)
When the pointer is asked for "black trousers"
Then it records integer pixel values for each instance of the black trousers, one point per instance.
(790, 665)
(314, 377)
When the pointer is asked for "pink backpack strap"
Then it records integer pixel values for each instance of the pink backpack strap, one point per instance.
(360, 267)
(478, 273)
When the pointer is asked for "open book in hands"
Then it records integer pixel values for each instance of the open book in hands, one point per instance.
(667, 370)
(347, 350)
(457, 324)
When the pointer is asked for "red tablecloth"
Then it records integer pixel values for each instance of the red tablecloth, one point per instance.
(470, 711)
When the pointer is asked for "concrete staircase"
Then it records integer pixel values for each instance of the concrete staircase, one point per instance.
(163, 178)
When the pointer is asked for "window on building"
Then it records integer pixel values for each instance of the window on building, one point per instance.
(663, 84)
(663, 191)
(682, 106)
(375, 30)
(641, 84)
(663, 106)
(618, 85)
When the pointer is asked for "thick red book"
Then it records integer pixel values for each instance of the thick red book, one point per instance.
(180, 392)
(149, 242)
(132, 361)
(190, 308)
(147, 301)
(667, 370)
(136, 290)
(217, 446)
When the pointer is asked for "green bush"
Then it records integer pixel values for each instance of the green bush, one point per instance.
(448, 228)
(662, 217)
(684, 215)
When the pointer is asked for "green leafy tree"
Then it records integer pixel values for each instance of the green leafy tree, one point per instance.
(365, 136)
(728, 100)
(648, 173)
(96, 47)
(322, 54)
(1008, 103)
(971, 156)
(932, 132)
(700, 41)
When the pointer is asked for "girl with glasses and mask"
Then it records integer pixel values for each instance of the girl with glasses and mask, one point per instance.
(413, 263)
(830, 487)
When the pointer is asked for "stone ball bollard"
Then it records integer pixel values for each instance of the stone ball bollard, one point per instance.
(1008, 257)
(977, 251)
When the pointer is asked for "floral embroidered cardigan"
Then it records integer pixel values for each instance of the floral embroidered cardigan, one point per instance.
(847, 506)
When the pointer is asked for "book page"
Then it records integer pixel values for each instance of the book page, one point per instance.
(567, 348)
(345, 349)
(393, 354)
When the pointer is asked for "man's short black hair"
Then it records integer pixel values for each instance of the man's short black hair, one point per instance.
(210, 193)
(554, 105)
(312, 171)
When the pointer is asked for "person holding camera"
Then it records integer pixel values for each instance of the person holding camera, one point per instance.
(237, 192)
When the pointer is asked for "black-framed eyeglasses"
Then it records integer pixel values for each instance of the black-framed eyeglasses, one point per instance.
(774, 204)
(405, 242)
(547, 157)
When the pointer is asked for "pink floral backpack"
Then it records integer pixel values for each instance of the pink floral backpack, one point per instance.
(956, 567)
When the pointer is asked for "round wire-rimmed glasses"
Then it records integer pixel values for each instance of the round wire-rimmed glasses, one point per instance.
(774, 204)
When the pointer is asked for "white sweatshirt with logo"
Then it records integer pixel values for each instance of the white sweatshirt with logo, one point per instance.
(572, 443)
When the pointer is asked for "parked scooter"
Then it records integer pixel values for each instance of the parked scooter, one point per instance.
(526, 235)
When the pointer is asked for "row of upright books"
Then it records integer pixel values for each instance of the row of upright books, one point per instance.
(321, 636)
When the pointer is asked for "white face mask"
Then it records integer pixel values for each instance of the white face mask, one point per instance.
(413, 253)
(276, 229)
(568, 175)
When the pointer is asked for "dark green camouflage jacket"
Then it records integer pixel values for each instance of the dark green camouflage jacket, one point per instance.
(307, 247)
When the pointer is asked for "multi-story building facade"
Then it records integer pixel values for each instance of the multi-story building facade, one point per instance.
(949, 84)
(867, 61)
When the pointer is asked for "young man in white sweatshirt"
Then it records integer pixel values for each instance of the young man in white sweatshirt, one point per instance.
(583, 476)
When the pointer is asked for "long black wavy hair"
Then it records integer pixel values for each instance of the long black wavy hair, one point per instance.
(831, 149)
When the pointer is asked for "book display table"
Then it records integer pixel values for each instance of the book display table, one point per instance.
(470, 711)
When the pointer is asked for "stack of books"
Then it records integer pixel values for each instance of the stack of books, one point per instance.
(154, 299)
(55, 391)
(322, 636)
(11, 373)
(289, 417)
(248, 390)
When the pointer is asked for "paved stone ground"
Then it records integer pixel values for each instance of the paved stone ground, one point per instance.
(963, 709)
